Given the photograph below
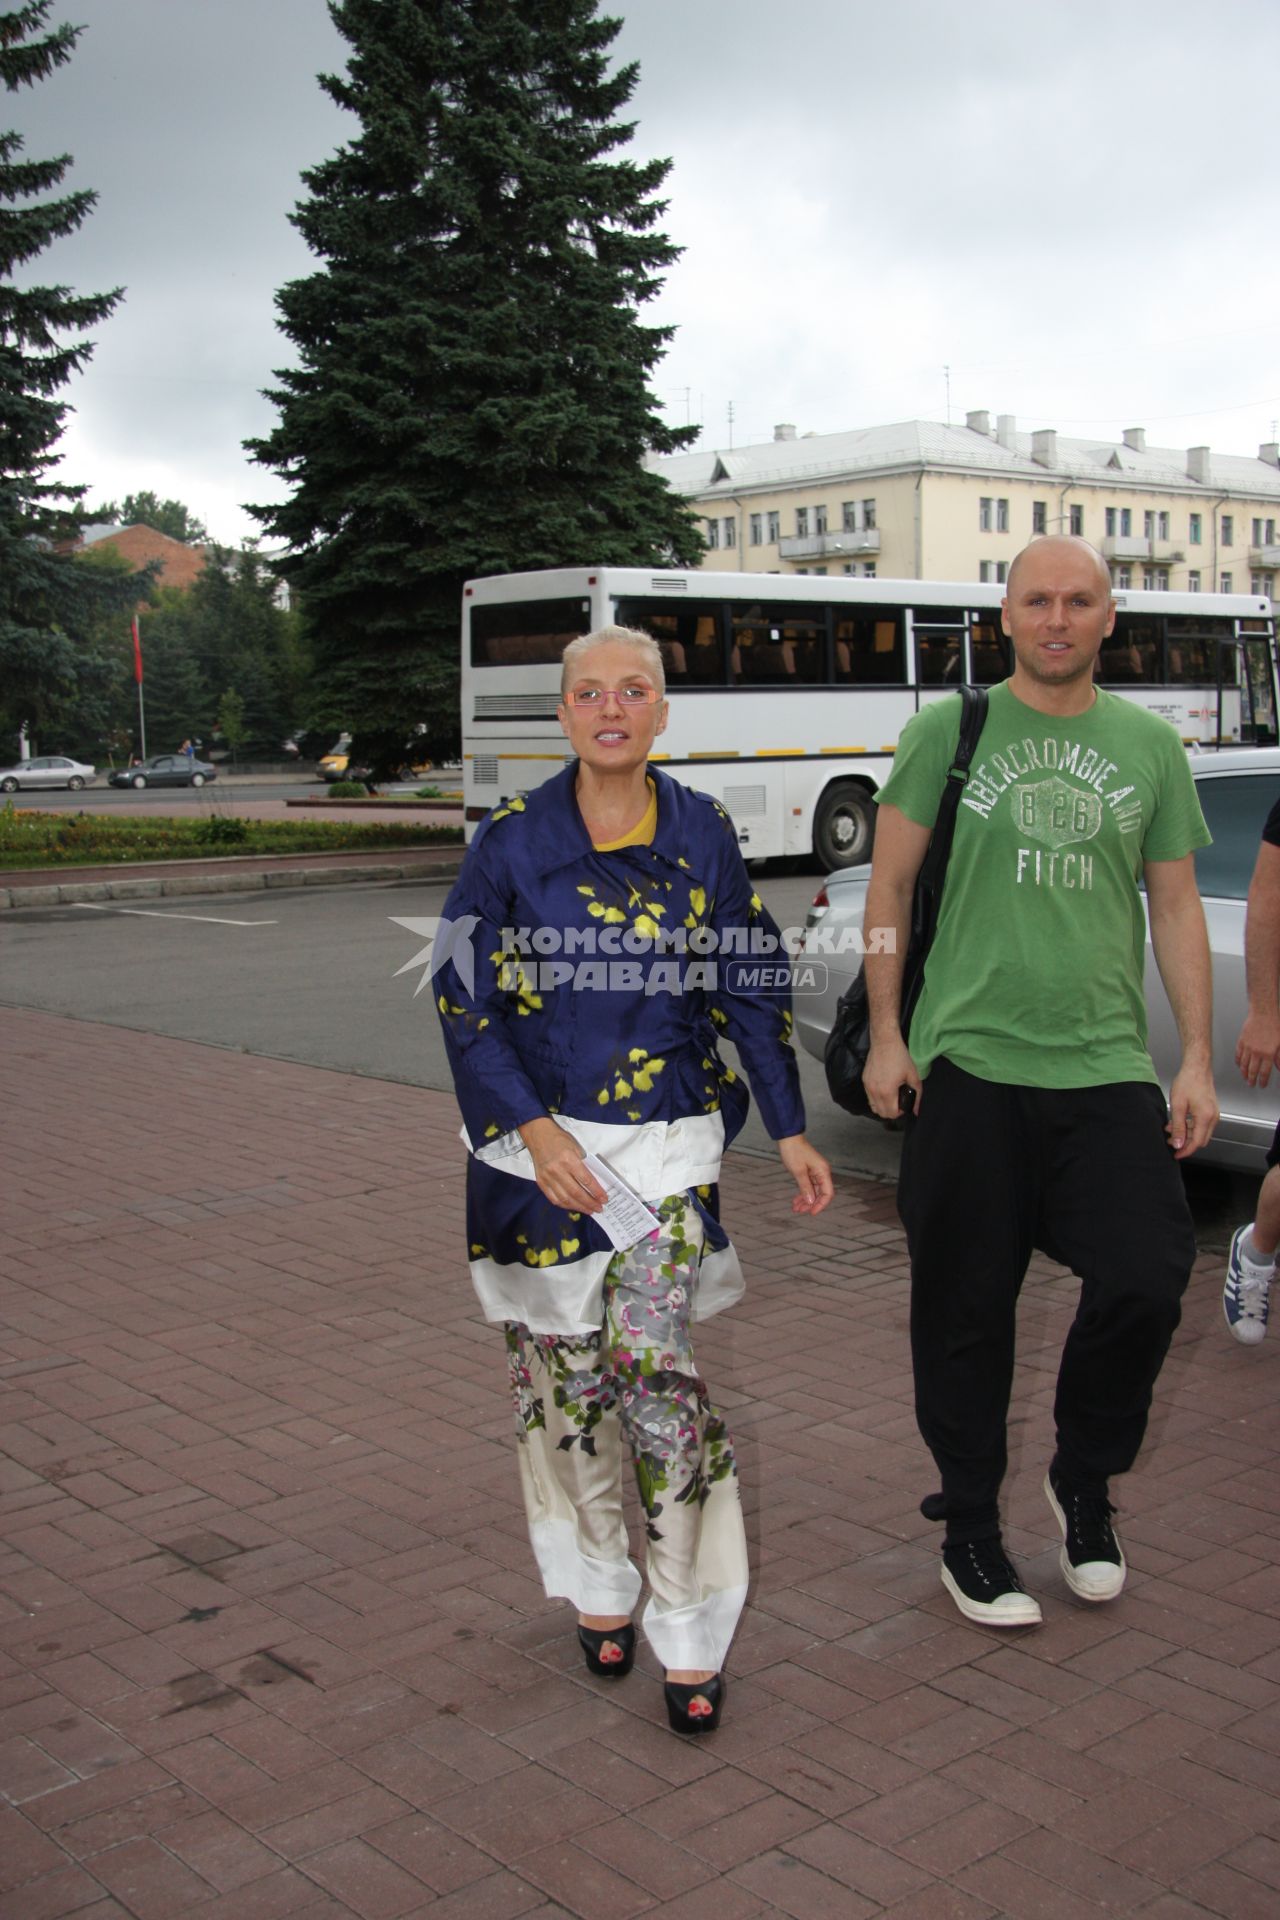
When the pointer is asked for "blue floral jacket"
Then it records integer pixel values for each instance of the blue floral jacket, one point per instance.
(593, 986)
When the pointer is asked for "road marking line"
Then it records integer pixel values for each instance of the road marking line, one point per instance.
(154, 913)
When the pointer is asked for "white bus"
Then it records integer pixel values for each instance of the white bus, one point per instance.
(788, 693)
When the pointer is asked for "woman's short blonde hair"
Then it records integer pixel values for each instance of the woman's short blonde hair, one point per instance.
(645, 645)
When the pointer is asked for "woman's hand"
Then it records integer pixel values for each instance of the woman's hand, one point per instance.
(810, 1172)
(558, 1167)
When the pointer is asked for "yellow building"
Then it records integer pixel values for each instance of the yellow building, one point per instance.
(919, 500)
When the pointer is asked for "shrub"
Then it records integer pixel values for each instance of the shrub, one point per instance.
(222, 830)
(348, 790)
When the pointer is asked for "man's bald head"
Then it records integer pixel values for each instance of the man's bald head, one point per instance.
(1064, 543)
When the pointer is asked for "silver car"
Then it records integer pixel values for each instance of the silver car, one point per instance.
(46, 770)
(1237, 790)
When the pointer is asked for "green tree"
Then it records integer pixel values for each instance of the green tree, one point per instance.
(147, 510)
(231, 720)
(472, 388)
(48, 597)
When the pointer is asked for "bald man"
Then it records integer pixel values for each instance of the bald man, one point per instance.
(1038, 1119)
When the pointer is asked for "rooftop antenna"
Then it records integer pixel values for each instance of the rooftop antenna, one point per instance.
(731, 426)
(946, 372)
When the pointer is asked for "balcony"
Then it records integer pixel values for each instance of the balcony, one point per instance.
(843, 544)
(1147, 553)
(1264, 556)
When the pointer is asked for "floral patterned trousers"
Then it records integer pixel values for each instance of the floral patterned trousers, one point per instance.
(576, 1399)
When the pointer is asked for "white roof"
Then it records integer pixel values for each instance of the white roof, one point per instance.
(929, 443)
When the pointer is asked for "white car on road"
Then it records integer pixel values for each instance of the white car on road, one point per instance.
(46, 770)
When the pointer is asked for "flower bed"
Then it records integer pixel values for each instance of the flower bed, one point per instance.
(31, 838)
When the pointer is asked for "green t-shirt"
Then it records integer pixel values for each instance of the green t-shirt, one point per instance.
(1035, 975)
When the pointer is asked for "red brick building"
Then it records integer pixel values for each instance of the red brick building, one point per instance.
(180, 565)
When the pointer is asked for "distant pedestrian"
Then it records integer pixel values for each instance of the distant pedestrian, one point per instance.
(1251, 1265)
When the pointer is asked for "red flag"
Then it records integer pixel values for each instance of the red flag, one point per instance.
(137, 652)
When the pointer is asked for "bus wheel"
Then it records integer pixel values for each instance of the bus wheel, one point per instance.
(845, 827)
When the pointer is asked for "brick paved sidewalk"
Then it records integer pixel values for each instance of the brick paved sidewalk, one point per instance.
(269, 1640)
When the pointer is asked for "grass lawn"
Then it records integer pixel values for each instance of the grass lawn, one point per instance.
(38, 839)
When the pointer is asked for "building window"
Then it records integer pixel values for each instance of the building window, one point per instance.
(1039, 516)
(1149, 526)
(848, 567)
(713, 533)
(1123, 577)
(820, 569)
(869, 571)
(1228, 529)
(1162, 526)
(1264, 533)
(1126, 523)
(1195, 534)
(1002, 516)
(1162, 579)
(1271, 534)
(1111, 523)
(1257, 537)
(1224, 583)
(819, 519)
(730, 531)
(1255, 579)
(869, 518)
(773, 528)
(802, 522)
(1002, 571)
(986, 571)
(1077, 519)
(1193, 578)
(1148, 579)
(849, 516)
(984, 514)
(755, 529)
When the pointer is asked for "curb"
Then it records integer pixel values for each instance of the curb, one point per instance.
(386, 800)
(186, 886)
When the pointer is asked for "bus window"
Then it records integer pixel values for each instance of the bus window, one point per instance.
(989, 649)
(1192, 652)
(1131, 652)
(688, 634)
(869, 646)
(777, 646)
(939, 657)
(526, 633)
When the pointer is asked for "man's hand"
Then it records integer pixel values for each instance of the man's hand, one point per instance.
(1193, 1110)
(810, 1172)
(889, 1068)
(1258, 1048)
(558, 1167)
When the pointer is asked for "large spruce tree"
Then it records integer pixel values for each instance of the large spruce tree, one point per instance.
(50, 602)
(472, 391)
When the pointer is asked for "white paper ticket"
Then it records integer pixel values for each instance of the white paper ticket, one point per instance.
(624, 1215)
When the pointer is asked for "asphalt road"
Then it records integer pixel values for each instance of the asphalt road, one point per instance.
(100, 798)
(314, 976)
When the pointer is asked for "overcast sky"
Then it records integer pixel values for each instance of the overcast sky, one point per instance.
(1070, 203)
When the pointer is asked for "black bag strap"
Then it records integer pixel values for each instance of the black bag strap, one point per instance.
(927, 899)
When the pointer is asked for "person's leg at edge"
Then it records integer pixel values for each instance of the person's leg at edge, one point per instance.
(966, 1197)
(1114, 1210)
(1251, 1263)
(683, 1458)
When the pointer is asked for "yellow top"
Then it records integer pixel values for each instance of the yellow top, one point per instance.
(641, 835)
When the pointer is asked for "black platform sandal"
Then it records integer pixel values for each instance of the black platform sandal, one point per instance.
(684, 1715)
(592, 1639)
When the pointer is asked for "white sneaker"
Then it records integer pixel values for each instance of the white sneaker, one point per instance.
(1246, 1293)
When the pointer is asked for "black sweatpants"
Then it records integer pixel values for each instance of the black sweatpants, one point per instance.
(989, 1173)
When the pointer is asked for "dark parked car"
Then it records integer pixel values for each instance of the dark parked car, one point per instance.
(165, 770)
